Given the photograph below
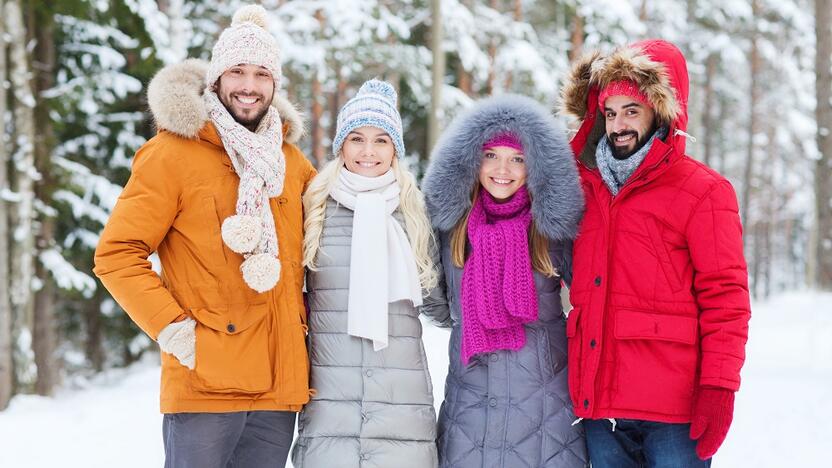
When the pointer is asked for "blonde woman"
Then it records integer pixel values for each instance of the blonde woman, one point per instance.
(367, 247)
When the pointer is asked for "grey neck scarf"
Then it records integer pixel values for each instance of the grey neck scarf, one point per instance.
(615, 172)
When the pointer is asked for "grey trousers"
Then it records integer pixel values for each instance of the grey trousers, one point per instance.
(252, 439)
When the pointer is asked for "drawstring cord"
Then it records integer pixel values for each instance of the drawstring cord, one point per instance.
(685, 134)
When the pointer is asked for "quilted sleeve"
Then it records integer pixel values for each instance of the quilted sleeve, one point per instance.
(143, 214)
(435, 302)
(720, 285)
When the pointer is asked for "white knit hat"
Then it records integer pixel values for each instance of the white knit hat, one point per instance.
(246, 41)
(374, 106)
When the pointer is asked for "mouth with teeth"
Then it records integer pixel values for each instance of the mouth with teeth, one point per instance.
(500, 181)
(367, 163)
(247, 101)
(624, 138)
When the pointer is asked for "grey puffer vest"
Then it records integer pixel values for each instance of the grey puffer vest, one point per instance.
(510, 409)
(369, 409)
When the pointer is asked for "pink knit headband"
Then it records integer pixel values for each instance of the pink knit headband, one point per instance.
(506, 139)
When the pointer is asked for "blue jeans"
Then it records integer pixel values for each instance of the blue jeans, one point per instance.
(637, 444)
(251, 439)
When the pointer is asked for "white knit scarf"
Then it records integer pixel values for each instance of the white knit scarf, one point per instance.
(380, 250)
(258, 160)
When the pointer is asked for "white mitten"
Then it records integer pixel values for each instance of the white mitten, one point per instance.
(179, 339)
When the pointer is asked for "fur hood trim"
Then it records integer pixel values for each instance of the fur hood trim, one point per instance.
(552, 177)
(175, 99)
(575, 91)
(627, 63)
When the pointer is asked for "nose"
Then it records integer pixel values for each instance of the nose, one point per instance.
(619, 124)
(367, 148)
(247, 83)
(502, 165)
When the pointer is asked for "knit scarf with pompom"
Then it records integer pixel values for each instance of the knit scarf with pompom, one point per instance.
(498, 291)
(258, 160)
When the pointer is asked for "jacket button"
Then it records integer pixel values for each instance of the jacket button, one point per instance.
(597, 281)
(364, 456)
(592, 343)
(231, 328)
(586, 403)
(494, 357)
(492, 402)
(368, 372)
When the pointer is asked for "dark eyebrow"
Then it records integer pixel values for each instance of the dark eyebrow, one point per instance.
(625, 106)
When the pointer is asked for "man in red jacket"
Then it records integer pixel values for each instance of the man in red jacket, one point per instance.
(660, 320)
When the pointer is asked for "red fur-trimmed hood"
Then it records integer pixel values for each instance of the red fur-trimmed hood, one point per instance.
(659, 70)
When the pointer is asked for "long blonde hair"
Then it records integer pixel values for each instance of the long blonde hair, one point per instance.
(538, 244)
(411, 205)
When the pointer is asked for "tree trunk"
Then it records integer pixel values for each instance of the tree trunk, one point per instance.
(823, 168)
(437, 75)
(318, 152)
(463, 79)
(93, 327)
(577, 39)
(518, 16)
(6, 369)
(708, 108)
(492, 56)
(44, 336)
(24, 139)
(755, 65)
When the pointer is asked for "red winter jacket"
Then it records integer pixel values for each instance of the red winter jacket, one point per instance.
(659, 287)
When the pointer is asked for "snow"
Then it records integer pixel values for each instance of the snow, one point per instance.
(65, 274)
(781, 418)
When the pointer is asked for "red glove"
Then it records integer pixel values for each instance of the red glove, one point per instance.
(712, 417)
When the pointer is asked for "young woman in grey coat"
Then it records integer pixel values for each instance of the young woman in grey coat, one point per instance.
(502, 189)
(367, 247)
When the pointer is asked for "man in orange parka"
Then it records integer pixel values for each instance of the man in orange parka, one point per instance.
(217, 194)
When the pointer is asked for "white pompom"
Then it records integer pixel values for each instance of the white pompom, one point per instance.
(261, 272)
(241, 233)
(250, 14)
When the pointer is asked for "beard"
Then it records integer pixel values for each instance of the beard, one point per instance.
(623, 152)
(249, 118)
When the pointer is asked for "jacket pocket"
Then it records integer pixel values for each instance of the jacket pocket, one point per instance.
(662, 255)
(213, 225)
(655, 362)
(232, 350)
(648, 326)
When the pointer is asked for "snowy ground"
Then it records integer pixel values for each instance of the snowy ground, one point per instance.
(782, 416)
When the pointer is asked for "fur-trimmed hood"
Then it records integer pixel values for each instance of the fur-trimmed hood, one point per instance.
(656, 66)
(175, 99)
(552, 179)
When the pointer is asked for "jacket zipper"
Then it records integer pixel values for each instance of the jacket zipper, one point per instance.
(606, 282)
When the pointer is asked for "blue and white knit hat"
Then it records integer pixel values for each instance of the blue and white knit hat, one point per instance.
(373, 106)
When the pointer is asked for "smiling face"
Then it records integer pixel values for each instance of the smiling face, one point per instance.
(368, 151)
(246, 91)
(629, 125)
(502, 171)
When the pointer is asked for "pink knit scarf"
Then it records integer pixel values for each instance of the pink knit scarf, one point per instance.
(498, 291)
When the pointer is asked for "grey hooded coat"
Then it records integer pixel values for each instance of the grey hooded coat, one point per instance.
(369, 409)
(509, 409)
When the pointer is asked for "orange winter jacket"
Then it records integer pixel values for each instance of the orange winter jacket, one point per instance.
(250, 347)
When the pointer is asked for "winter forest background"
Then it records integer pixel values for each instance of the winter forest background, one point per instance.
(73, 75)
